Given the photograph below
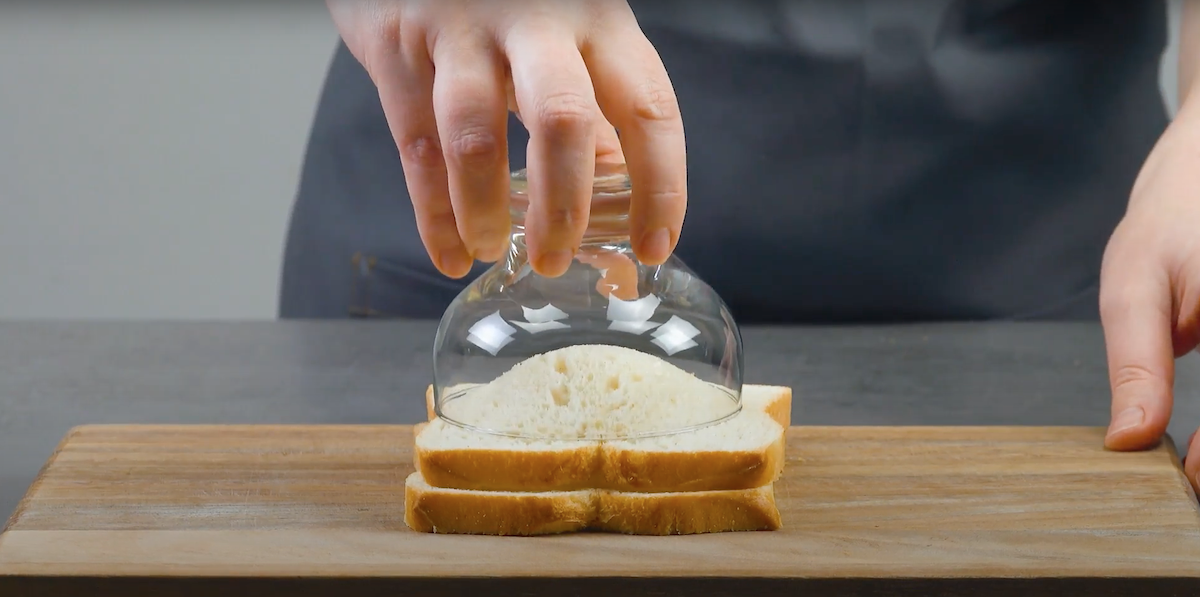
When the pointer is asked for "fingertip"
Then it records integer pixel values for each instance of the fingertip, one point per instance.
(1135, 311)
(1124, 439)
(1138, 426)
(454, 262)
(553, 264)
(655, 246)
(490, 240)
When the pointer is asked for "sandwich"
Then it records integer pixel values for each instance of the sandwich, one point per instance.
(716, 477)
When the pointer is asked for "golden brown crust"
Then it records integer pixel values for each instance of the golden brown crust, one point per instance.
(650, 471)
(688, 513)
(435, 510)
(508, 470)
(429, 510)
(601, 467)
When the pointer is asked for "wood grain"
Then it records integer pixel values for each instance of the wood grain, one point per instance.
(866, 511)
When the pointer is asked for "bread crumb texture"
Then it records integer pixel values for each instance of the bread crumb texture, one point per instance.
(590, 391)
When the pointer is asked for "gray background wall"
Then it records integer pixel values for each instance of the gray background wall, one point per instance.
(148, 156)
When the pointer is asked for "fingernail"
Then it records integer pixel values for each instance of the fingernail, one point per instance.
(1127, 419)
(656, 244)
(555, 262)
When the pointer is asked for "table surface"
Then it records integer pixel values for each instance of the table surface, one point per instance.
(55, 375)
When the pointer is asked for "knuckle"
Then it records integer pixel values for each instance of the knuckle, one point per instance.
(474, 146)
(661, 205)
(384, 36)
(387, 38)
(663, 198)
(566, 218)
(565, 112)
(1127, 375)
(422, 151)
(382, 48)
(655, 102)
(389, 30)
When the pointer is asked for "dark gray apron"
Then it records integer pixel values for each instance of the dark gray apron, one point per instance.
(870, 160)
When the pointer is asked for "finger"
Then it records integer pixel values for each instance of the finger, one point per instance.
(608, 145)
(555, 98)
(1136, 315)
(404, 80)
(472, 117)
(636, 95)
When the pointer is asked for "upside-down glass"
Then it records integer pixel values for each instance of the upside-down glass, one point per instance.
(606, 297)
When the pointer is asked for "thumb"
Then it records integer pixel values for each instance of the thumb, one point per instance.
(1135, 309)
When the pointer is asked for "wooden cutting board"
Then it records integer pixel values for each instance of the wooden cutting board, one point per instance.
(307, 510)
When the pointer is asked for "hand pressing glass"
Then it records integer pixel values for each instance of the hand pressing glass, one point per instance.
(448, 73)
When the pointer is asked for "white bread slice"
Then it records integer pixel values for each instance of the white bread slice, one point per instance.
(744, 452)
(432, 509)
(590, 391)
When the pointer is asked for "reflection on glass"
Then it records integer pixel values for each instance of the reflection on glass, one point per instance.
(606, 297)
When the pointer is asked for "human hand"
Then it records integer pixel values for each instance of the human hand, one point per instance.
(448, 72)
(1150, 291)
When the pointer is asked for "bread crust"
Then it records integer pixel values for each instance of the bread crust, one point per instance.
(453, 511)
(566, 469)
(689, 513)
(712, 470)
(614, 466)
(433, 510)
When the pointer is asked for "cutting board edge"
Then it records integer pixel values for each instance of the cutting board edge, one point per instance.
(301, 567)
(37, 480)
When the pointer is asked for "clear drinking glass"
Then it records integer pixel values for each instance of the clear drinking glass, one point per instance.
(606, 298)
